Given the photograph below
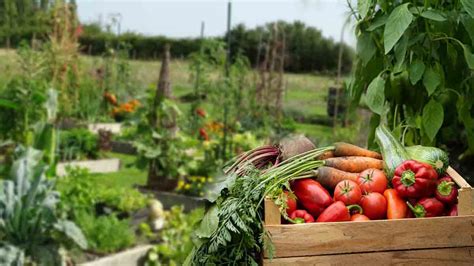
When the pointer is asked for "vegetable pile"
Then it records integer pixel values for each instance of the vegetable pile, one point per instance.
(338, 183)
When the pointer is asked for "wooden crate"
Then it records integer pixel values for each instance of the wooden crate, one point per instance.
(426, 241)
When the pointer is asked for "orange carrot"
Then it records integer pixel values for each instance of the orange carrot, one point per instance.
(325, 155)
(354, 164)
(330, 177)
(346, 149)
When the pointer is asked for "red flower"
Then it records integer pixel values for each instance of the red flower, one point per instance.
(78, 32)
(200, 112)
(203, 134)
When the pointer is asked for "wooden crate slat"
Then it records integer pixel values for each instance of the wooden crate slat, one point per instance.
(383, 235)
(460, 181)
(442, 256)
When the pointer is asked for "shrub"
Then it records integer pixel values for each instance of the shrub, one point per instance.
(105, 234)
(78, 143)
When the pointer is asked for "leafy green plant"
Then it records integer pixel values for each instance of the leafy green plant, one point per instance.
(30, 228)
(124, 200)
(160, 147)
(78, 192)
(176, 238)
(78, 143)
(416, 60)
(105, 234)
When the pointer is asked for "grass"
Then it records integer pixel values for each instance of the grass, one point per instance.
(128, 176)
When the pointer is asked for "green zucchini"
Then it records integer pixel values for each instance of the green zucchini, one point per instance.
(393, 152)
(431, 155)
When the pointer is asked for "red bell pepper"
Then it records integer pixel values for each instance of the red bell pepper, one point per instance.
(338, 212)
(301, 216)
(427, 207)
(453, 211)
(290, 203)
(312, 195)
(446, 191)
(414, 179)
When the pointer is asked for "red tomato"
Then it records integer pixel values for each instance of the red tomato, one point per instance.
(359, 218)
(348, 192)
(372, 180)
(374, 205)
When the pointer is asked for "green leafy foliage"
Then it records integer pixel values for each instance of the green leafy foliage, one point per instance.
(176, 238)
(105, 234)
(432, 119)
(29, 222)
(397, 23)
(79, 192)
(423, 52)
(375, 95)
(468, 6)
(78, 144)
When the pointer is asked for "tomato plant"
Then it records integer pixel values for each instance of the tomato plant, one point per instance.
(415, 67)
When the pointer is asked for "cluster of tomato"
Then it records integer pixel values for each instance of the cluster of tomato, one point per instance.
(416, 192)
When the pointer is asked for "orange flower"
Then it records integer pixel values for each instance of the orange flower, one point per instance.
(110, 98)
(135, 102)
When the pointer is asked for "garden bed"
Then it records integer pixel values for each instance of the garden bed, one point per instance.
(94, 166)
(439, 240)
(133, 256)
(169, 199)
(115, 128)
(124, 147)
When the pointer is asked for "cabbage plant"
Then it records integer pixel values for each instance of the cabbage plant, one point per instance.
(31, 230)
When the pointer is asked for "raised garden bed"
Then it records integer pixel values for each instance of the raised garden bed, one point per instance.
(169, 199)
(123, 147)
(115, 128)
(133, 256)
(94, 166)
(430, 241)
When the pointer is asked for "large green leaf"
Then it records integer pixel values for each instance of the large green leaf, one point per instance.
(468, 23)
(222, 182)
(363, 7)
(396, 25)
(365, 48)
(400, 52)
(375, 96)
(431, 80)
(468, 5)
(209, 223)
(71, 231)
(417, 68)
(432, 118)
(8, 104)
(434, 15)
(468, 55)
(11, 255)
(378, 22)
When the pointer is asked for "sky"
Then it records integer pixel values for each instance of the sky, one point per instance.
(182, 18)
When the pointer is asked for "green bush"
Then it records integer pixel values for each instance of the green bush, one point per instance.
(105, 234)
(78, 192)
(77, 144)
